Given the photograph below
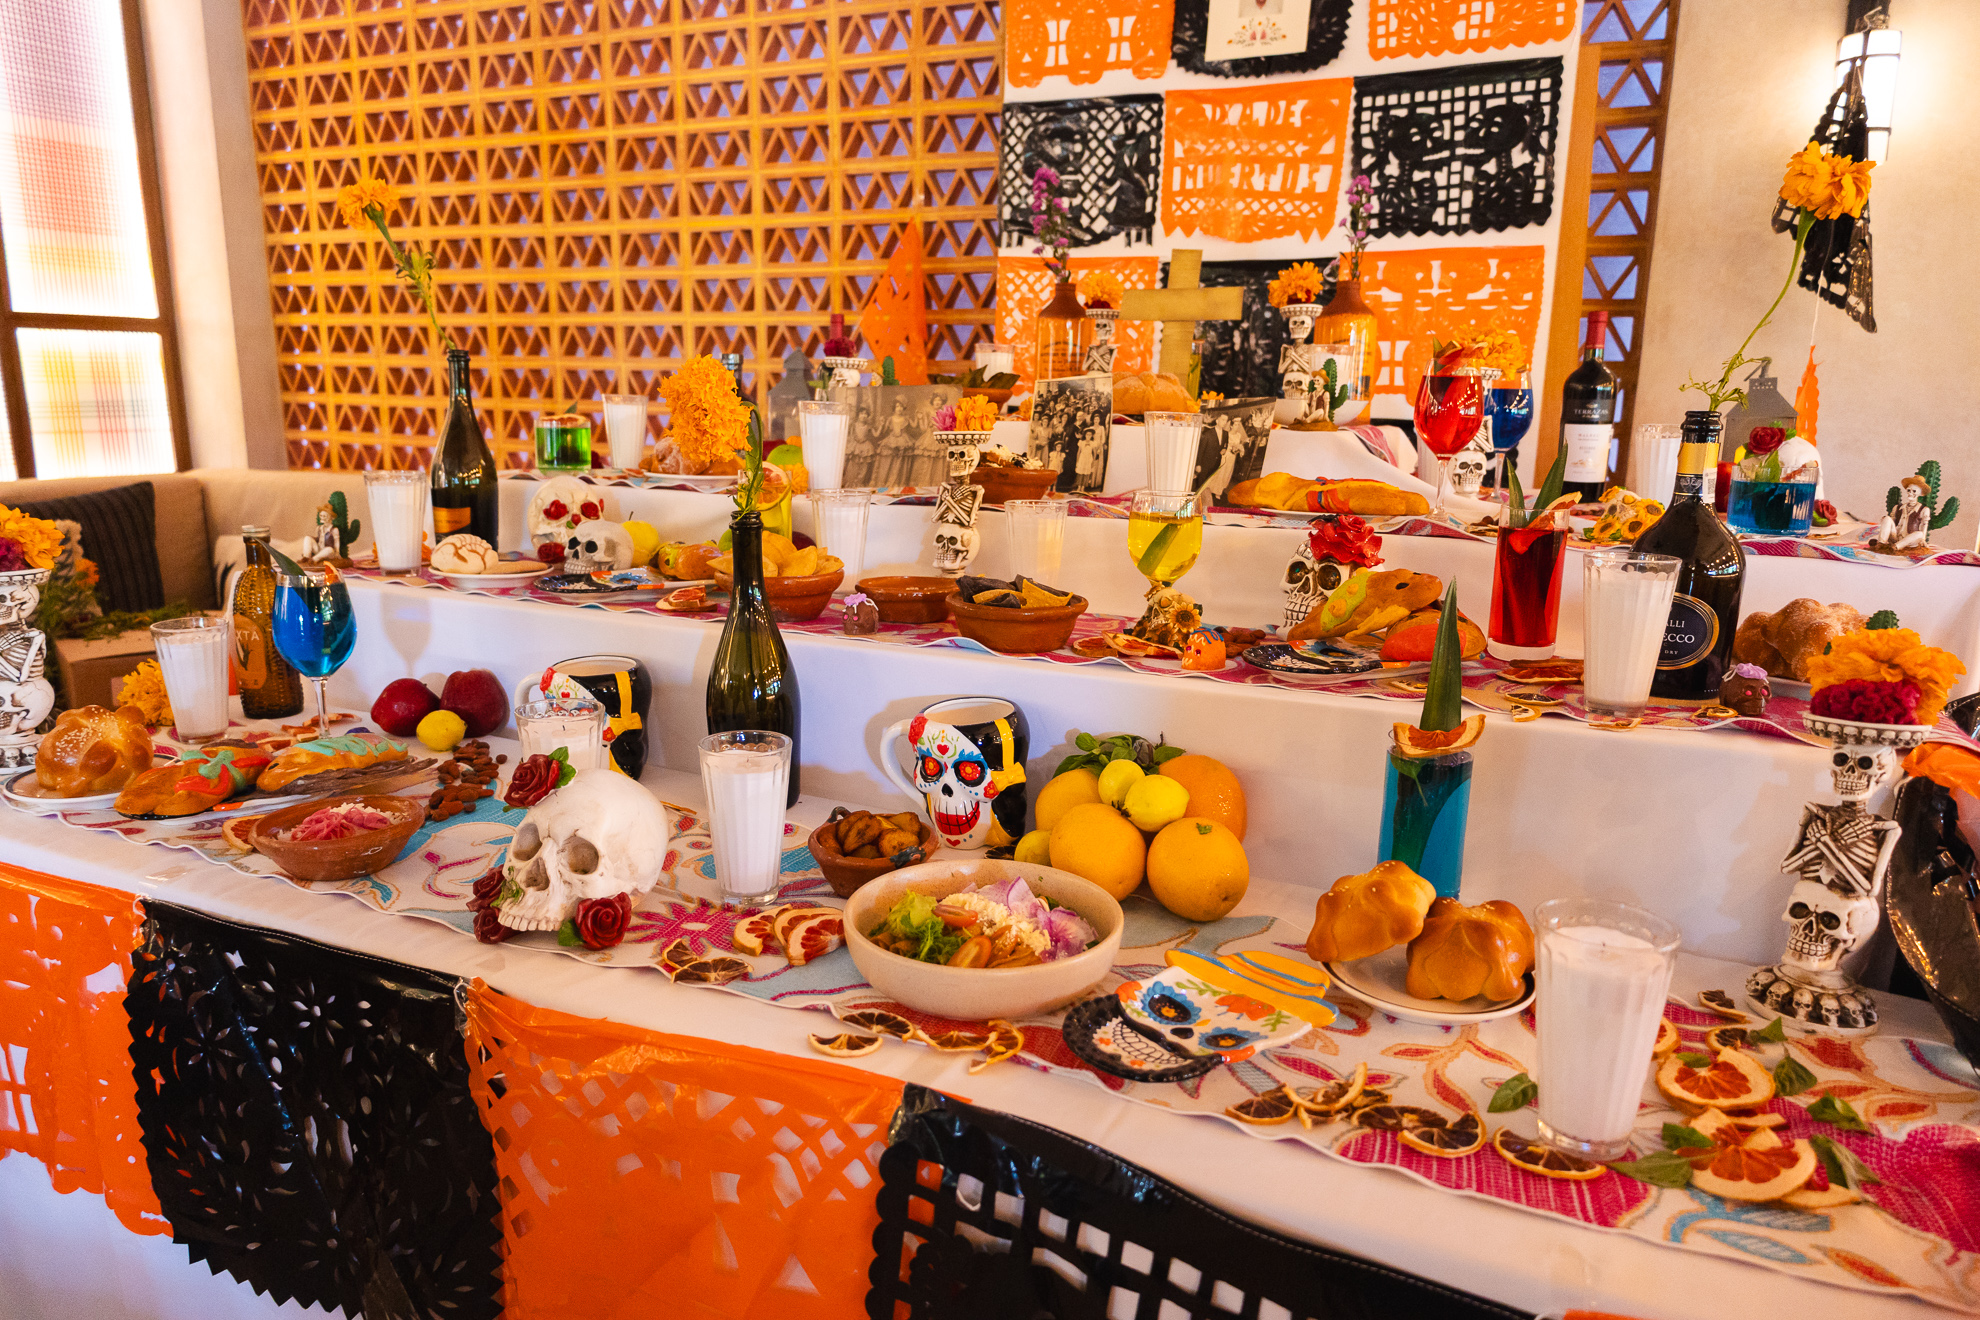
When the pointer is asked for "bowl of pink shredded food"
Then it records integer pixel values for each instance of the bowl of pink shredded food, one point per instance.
(338, 839)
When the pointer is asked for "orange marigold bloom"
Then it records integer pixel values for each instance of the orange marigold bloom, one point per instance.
(975, 413)
(1892, 655)
(1101, 288)
(1300, 283)
(353, 202)
(709, 422)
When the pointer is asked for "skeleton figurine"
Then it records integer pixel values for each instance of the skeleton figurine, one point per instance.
(600, 835)
(1100, 353)
(323, 542)
(957, 503)
(1299, 361)
(846, 371)
(26, 696)
(1468, 467)
(1907, 526)
(1841, 855)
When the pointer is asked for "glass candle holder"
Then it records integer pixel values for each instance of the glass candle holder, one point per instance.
(544, 725)
(1035, 530)
(563, 443)
(1426, 804)
(745, 774)
(1771, 508)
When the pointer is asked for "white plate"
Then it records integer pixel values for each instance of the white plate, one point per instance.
(25, 792)
(1379, 980)
(496, 579)
(716, 483)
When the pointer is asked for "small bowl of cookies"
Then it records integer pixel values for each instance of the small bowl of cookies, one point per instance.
(853, 847)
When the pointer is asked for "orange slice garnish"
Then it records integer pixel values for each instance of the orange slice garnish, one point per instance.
(1755, 1166)
(1718, 1001)
(1006, 1039)
(712, 971)
(880, 1020)
(1418, 744)
(1535, 1157)
(846, 1046)
(956, 1042)
(1733, 1080)
(1667, 1039)
(1275, 1106)
(1448, 1142)
(1334, 1099)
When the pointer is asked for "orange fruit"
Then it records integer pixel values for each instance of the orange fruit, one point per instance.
(1213, 790)
(958, 1042)
(1733, 1080)
(1335, 1096)
(1761, 1167)
(1198, 869)
(1418, 743)
(752, 933)
(1098, 843)
(1006, 1039)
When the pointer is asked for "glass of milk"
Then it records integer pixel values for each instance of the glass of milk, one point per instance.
(744, 773)
(1036, 530)
(1625, 601)
(397, 515)
(1172, 441)
(576, 726)
(195, 655)
(822, 427)
(838, 522)
(625, 429)
(995, 359)
(1653, 460)
(1604, 971)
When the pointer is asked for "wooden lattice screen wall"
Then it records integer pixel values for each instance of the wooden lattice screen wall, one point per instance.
(607, 183)
(1635, 40)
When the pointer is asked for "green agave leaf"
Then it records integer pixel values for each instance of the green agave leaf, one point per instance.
(1550, 488)
(1443, 704)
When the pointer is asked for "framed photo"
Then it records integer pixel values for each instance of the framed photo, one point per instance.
(1251, 38)
(1071, 422)
(891, 442)
(1231, 446)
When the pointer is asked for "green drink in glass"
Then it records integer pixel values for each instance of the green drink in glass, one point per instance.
(563, 443)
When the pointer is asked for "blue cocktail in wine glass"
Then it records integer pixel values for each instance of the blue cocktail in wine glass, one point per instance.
(1512, 417)
(314, 630)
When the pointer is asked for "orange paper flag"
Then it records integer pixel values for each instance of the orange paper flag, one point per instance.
(1807, 400)
(895, 322)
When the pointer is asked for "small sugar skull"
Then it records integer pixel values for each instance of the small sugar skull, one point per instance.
(846, 371)
(558, 505)
(1189, 1020)
(597, 546)
(1468, 471)
(955, 547)
(955, 779)
(1307, 583)
(1823, 926)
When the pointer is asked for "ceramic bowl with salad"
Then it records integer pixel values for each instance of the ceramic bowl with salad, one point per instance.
(973, 940)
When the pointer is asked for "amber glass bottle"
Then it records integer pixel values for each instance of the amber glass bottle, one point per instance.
(270, 686)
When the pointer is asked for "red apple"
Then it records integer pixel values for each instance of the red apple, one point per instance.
(476, 695)
(402, 705)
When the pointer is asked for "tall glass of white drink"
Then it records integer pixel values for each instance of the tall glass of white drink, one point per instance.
(193, 656)
(625, 429)
(822, 427)
(838, 523)
(1604, 971)
(1626, 603)
(1036, 533)
(744, 774)
(397, 514)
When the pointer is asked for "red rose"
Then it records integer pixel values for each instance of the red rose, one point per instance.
(486, 888)
(551, 552)
(488, 927)
(1825, 513)
(555, 509)
(1763, 440)
(535, 776)
(591, 509)
(601, 922)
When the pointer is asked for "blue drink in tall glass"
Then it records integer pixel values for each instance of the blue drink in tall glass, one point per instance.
(1425, 805)
(1512, 417)
(314, 629)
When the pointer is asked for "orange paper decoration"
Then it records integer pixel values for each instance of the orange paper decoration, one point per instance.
(1079, 42)
(1420, 294)
(895, 322)
(1254, 162)
(1398, 28)
(1024, 286)
(1807, 400)
(648, 1174)
(66, 1094)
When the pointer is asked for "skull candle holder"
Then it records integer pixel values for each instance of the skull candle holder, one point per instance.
(26, 696)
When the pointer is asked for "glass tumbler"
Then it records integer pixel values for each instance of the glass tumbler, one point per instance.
(744, 774)
(397, 514)
(625, 429)
(838, 523)
(195, 656)
(1036, 533)
(578, 727)
(1526, 590)
(1626, 607)
(1426, 804)
(1172, 444)
(822, 428)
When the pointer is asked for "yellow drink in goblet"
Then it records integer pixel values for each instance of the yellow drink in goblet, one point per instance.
(1165, 535)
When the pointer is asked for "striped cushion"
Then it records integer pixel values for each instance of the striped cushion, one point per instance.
(120, 532)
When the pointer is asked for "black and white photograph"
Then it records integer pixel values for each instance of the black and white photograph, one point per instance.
(1231, 446)
(1071, 420)
(892, 439)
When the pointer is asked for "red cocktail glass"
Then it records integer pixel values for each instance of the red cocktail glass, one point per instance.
(1526, 590)
(1450, 405)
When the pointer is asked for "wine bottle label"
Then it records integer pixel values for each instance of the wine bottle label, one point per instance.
(250, 652)
(1689, 634)
(1696, 461)
(1587, 452)
(448, 521)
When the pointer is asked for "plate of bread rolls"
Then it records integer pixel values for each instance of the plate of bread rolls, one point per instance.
(85, 761)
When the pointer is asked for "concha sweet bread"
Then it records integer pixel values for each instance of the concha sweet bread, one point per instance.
(93, 749)
(349, 752)
(1364, 914)
(1465, 952)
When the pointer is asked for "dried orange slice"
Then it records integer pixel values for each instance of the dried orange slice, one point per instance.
(1275, 1106)
(790, 915)
(1448, 1142)
(1667, 1039)
(812, 937)
(1418, 744)
(236, 833)
(712, 971)
(1818, 1193)
(1733, 1080)
(1336, 1097)
(1718, 1001)
(880, 1020)
(1398, 1118)
(1728, 1037)
(845, 1047)
(1544, 1160)
(1761, 1167)
(1753, 1118)
(1544, 671)
(1371, 1096)
(1006, 1039)
(752, 933)
(676, 956)
(1093, 648)
(956, 1042)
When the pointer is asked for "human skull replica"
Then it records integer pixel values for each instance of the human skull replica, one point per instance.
(1856, 771)
(845, 371)
(561, 504)
(598, 546)
(1308, 582)
(1299, 322)
(955, 780)
(963, 448)
(955, 547)
(597, 836)
(1824, 925)
(1468, 470)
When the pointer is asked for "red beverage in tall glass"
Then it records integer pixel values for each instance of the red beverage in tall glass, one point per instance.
(1448, 411)
(1526, 592)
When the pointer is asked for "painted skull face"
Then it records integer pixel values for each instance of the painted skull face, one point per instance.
(1856, 771)
(952, 773)
(1190, 1022)
(1308, 583)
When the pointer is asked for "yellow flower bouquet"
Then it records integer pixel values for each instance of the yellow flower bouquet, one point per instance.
(712, 427)
(1298, 283)
(1865, 675)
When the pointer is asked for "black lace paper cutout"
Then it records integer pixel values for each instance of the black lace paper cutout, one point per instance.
(1326, 36)
(1021, 1210)
(1836, 264)
(1461, 150)
(1107, 152)
(307, 1120)
(1241, 358)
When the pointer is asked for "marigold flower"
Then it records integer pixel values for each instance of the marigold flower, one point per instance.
(1890, 655)
(708, 421)
(144, 687)
(1484, 346)
(1299, 283)
(353, 202)
(1101, 288)
(975, 413)
(1825, 184)
(40, 539)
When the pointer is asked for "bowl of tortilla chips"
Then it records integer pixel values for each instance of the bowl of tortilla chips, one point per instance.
(1020, 617)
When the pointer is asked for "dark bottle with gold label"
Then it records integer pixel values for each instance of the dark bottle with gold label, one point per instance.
(270, 686)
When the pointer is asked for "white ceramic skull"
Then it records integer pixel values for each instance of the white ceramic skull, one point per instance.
(955, 779)
(845, 371)
(1297, 384)
(963, 449)
(560, 504)
(955, 546)
(1857, 770)
(597, 545)
(1468, 471)
(1824, 926)
(1307, 583)
(599, 835)
(1299, 324)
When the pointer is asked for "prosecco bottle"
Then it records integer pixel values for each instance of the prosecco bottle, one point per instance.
(1588, 418)
(464, 495)
(1698, 639)
(751, 684)
(270, 686)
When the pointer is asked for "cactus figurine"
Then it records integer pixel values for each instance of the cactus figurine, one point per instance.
(340, 518)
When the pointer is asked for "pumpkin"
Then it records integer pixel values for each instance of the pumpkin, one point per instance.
(1465, 952)
(1204, 649)
(1364, 914)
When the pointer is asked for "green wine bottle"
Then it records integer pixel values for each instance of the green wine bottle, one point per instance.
(1698, 640)
(464, 494)
(751, 684)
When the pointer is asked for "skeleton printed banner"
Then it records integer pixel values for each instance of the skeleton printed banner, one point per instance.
(1107, 152)
(1462, 150)
(1252, 38)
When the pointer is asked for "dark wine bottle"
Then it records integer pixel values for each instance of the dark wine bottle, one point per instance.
(270, 686)
(464, 494)
(751, 684)
(1588, 418)
(1698, 640)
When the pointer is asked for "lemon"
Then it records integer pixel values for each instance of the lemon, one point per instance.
(1096, 842)
(1155, 801)
(1116, 779)
(1198, 869)
(1071, 789)
(442, 730)
(645, 540)
(1035, 848)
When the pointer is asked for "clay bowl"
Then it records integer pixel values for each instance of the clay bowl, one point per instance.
(1009, 483)
(794, 599)
(1017, 632)
(338, 859)
(909, 599)
(846, 874)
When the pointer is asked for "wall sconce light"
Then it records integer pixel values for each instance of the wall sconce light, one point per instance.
(1870, 50)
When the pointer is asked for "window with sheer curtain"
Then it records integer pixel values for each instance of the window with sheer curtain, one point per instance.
(88, 354)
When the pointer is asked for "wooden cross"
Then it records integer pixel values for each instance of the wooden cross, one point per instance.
(1180, 306)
